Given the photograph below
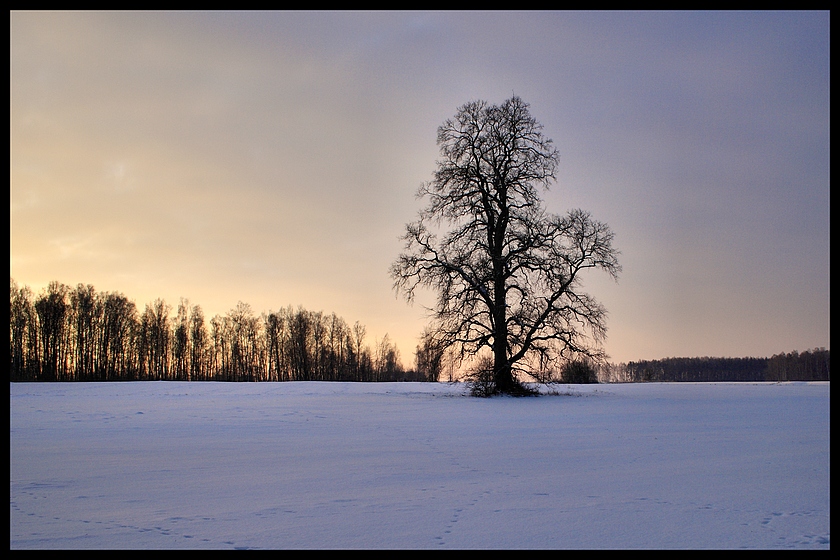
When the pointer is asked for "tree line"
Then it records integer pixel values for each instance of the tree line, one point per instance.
(810, 365)
(78, 334)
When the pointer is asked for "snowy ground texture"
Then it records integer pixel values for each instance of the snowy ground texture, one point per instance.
(420, 466)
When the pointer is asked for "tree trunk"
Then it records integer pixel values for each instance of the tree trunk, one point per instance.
(502, 371)
(503, 374)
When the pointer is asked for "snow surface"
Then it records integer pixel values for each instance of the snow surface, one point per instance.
(418, 465)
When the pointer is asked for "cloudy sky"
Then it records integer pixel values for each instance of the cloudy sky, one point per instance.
(273, 158)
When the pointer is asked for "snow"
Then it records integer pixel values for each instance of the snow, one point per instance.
(167, 465)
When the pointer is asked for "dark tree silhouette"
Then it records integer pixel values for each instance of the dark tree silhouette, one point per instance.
(387, 360)
(23, 335)
(810, 365)
(155, 340)
(180, 342)
(578, 371)
(429, 356)
(78, 334)
(52, 311)
(506, 273)
(117, 336)
(85, 314)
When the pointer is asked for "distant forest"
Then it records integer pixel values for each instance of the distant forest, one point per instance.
(79, 334)
(810, 365)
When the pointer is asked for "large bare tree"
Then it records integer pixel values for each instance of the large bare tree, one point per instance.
(507, 274)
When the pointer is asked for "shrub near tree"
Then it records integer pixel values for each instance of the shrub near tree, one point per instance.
(578, 371)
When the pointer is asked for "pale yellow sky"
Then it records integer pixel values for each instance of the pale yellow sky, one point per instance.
(273, 157)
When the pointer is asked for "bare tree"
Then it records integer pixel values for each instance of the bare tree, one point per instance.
(244, 349)
(116, 347)
(276, 334)
(506, 273)
(155, 341)
(180, 342)
(77, 334)
(386, 361)
(23, 334)
(53, 332)
(360, 356)
(85, 323)
(429, 356)
(197, 344)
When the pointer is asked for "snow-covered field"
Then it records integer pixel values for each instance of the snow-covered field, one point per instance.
(411, 465)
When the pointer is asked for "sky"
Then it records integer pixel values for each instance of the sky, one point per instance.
(273, 158)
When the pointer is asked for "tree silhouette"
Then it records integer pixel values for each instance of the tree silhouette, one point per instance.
(429, 356)
(23, 334)
(116, 357)
(85, 319)
(79, 334)
(506, 273)
(180, 342)
(52, 310)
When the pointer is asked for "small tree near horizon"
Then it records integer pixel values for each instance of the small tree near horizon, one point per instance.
(578, 371)
(507, 273)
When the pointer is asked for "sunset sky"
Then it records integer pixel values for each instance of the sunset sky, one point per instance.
(273, 158)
